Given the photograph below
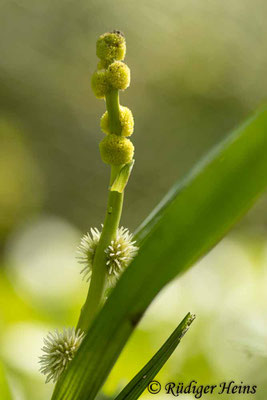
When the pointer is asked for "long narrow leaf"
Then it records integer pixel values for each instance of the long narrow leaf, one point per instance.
(192, 218)
(139, 383)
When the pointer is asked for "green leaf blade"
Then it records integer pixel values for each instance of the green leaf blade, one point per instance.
(191, 219)
(139, 383)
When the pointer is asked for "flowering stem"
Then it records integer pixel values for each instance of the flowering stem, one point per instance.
(113, 108)
(111, 224)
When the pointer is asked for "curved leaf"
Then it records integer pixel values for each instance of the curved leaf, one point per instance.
(190, 220)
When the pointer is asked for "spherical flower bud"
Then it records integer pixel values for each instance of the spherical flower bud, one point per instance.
(59, 350)
(86, 251)
(119, 253)
(126, 119)
(100, 83)
(118, 75)
(111, 46)
(116, 150)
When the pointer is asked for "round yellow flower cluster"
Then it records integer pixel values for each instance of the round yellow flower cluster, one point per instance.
(112, 75)
(111, 72)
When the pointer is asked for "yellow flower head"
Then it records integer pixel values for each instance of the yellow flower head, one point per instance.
(126, 119)
(118, 75)
(99, 83)
(116, 150)
(111, 46)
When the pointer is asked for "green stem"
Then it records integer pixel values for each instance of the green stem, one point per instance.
(111, 224)
(97, 284)
(113, 108)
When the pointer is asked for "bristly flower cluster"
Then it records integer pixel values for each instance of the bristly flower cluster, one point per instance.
(86, 252)
(111, 76)
(119, 253)
(59, 350)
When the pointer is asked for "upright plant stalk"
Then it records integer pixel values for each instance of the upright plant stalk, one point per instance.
(104, 254)
(115, 150)
(110, 226)
(113, 109)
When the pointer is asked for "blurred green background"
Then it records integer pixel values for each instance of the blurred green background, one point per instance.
(198, 69)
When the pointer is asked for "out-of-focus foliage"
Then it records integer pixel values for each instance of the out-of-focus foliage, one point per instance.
(5, 390)
(227, 341)
(198, 68)
(21, 186)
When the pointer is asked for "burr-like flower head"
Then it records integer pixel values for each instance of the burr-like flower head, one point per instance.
(119, 253)
(111, 46)
(99, 83)
(86, 251)
(118, 75)
(126, 120)
(116, 150)
(59, 350)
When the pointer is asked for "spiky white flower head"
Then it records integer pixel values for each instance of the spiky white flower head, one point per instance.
(86, 252)
(119, 253)
(59, 349)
